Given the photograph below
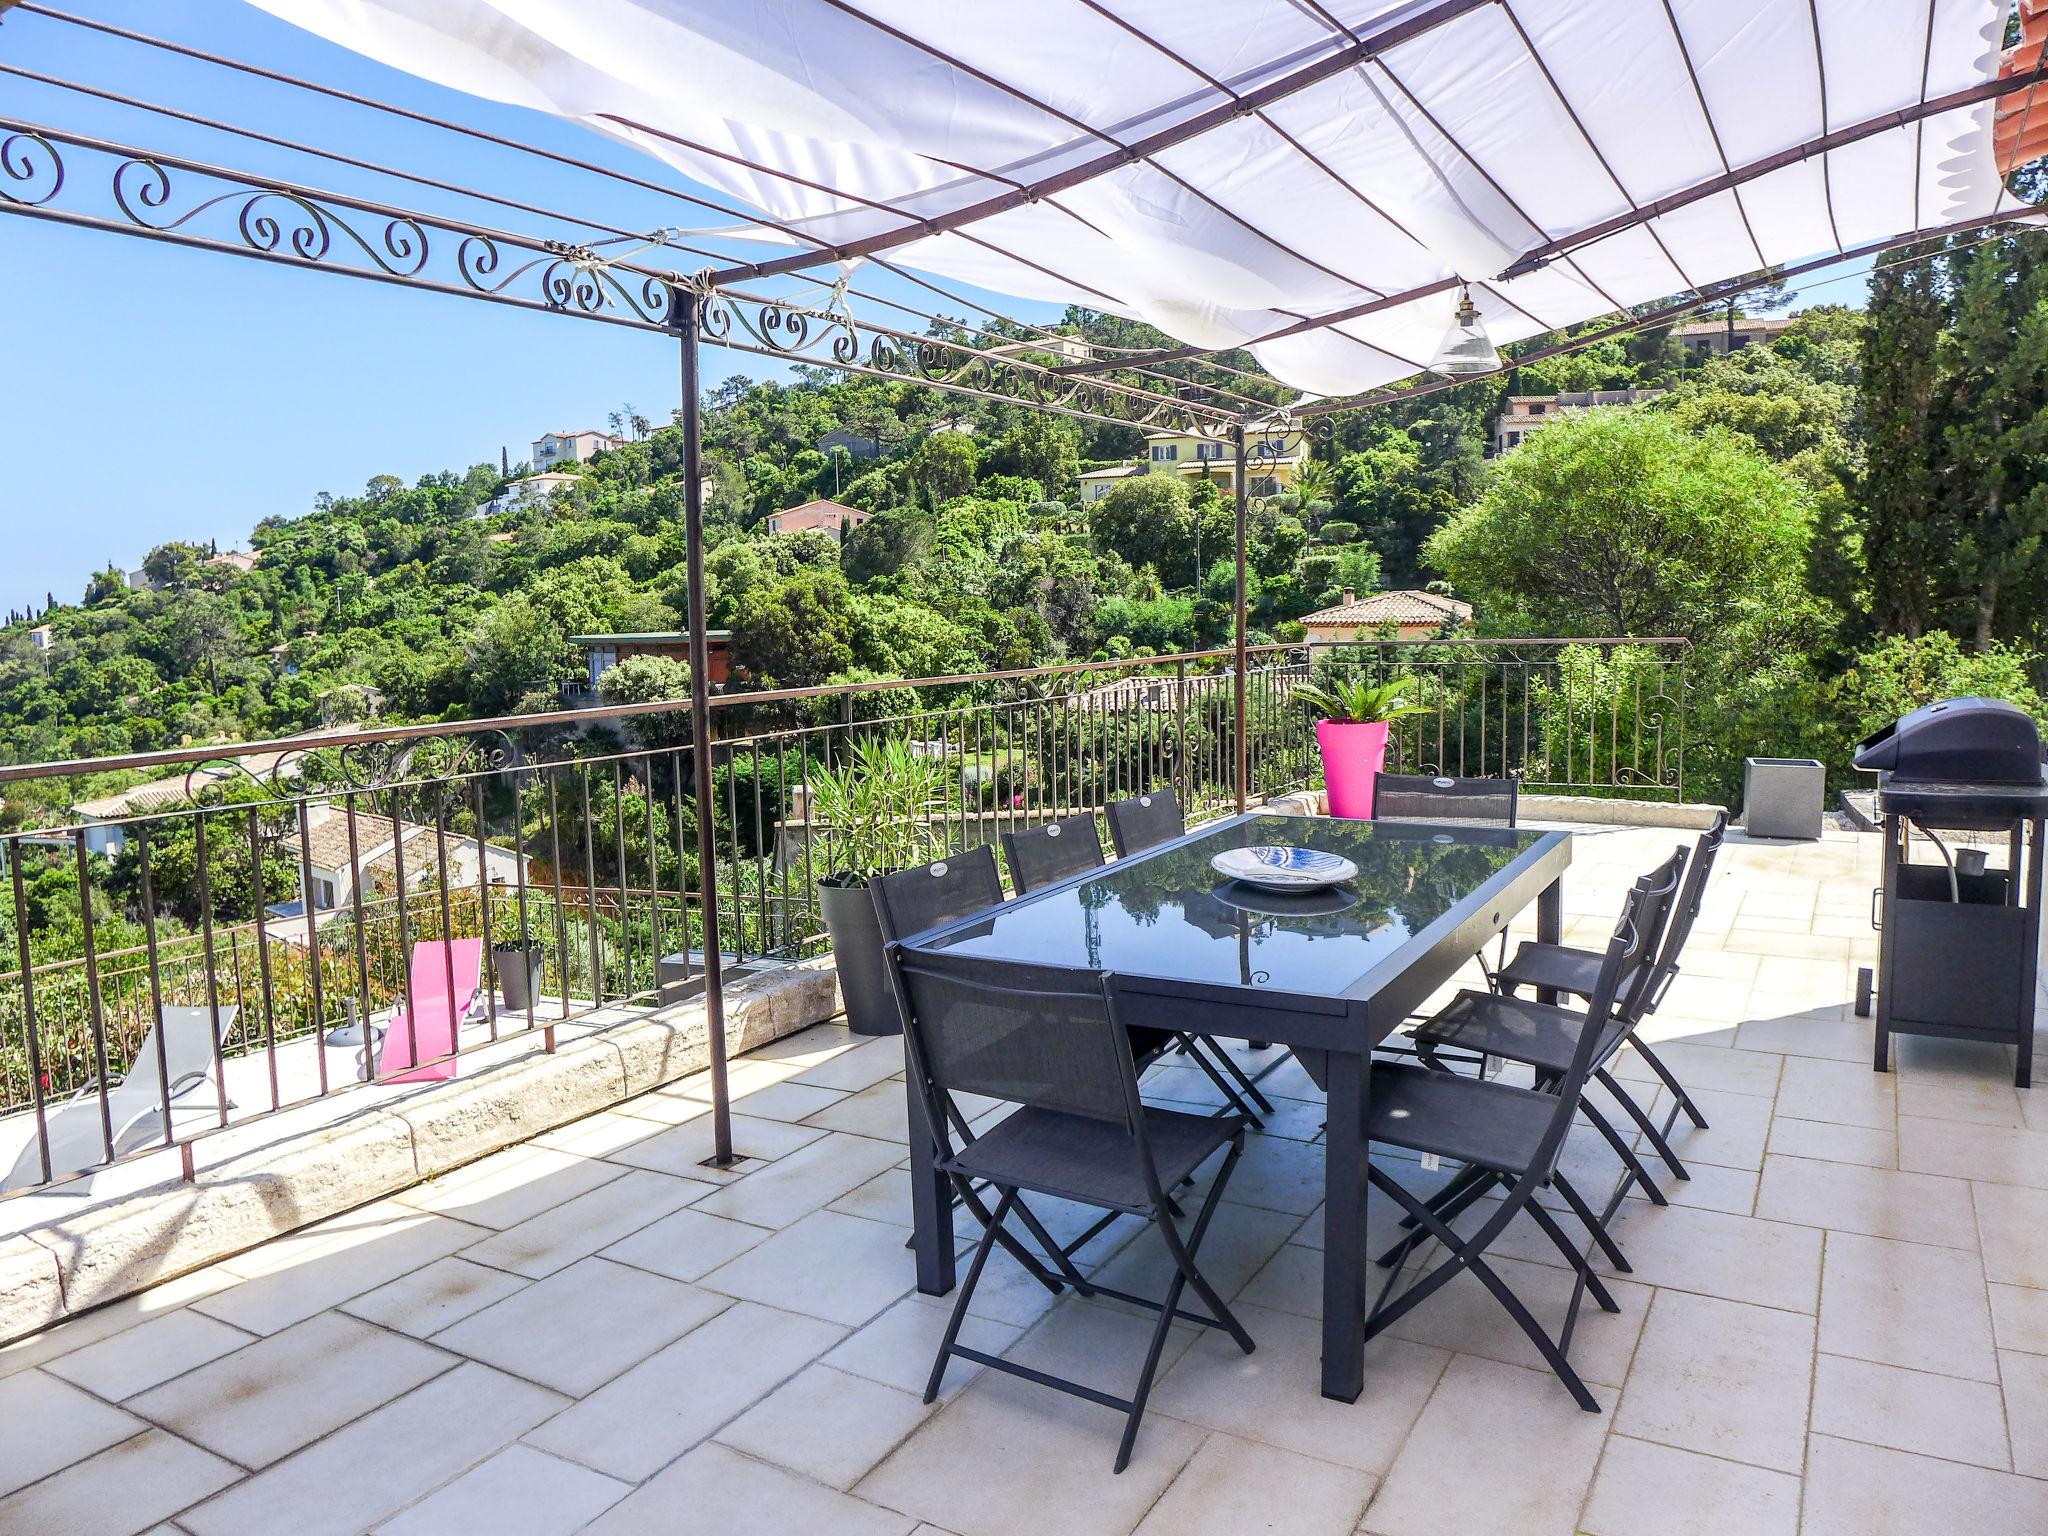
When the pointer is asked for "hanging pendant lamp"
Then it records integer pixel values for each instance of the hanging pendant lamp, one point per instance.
(1467, 349)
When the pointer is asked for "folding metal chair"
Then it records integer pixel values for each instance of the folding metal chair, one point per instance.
(1505, 1136)
(1544, 1036)
(1426, 797)
(1037, 857)
(1144, 821)
(1561, 968)
(1049, 1041)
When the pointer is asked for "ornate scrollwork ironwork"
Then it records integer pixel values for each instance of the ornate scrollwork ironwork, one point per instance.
(20, 164)
(193, 203)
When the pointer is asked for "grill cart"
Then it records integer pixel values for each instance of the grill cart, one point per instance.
(1959, 939)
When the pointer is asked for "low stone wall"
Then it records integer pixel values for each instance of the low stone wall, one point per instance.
(1577, 810)
(122, 1246)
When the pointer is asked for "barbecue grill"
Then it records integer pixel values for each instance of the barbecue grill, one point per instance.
(1958, 941)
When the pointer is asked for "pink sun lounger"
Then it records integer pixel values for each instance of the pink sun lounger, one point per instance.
(447, 974)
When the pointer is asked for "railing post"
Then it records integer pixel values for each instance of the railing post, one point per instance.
(684, 320)
(1238, 628)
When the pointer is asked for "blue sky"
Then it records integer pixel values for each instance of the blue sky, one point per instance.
(159, 393)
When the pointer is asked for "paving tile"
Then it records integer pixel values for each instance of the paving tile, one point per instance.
(310, 1271)
(518, 1492)
(839, 1268)
(685, 1244)
(1466, 1318)
(265, 1401)
(510, 1186)
(898, 1347)
(1807, 1034)
(1709, 1068)
(1234, 1487)
(877, 1111)
(1841, 1092)
(638, 1422)
(1878, 1202)
(104, 1322)
(2013, 1224)
(51, 1424)
(1906, 1304)
(376, 1466)
(2019, 1318)
(1541, 1449)
(1943, 1416)
(123, 1489)
(1241, 1238)
(1738, 1124)
(1271, 1396)
(1738, 1258)
(1098, 1342)
(1711, 1187)
(559, 1237)
(795, 1185)
(787, 1101)
(868, 1063)
(1991, 1102)
(1831, 1143)
(1277, 1174)
(430, 1299)
(1865, 1490)
(1989, 1154)
(1644, 1489)
(1723, 1378)
(138, 1358)
(885, 1197)
(2026, 1405)
(682, 1149)
(826, 1424)
(1055, 1458)
(735, 1495)
(581, 1326)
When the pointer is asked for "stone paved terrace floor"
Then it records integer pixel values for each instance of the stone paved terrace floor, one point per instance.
(1839, 1327)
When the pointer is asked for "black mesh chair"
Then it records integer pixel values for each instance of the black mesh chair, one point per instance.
(1145, 821)
(1048, 1040)
(1505, 1136)
(1039, 856)
(1549, 1038)
(1562, 969)
(1421, 797)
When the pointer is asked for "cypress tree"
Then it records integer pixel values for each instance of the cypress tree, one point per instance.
(1905, 549)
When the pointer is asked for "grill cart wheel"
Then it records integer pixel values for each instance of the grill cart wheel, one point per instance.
(1864, 978)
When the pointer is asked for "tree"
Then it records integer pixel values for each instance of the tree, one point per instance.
(1146, 520)
(512, 648)
(798, 632)
(647, 680)
(945, 466)
(886, 544)
(1994, 428)
(1042, 448)
(1904, 546)
(1619, 522)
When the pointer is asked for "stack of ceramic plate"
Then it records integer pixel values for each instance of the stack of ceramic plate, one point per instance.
(1279, 868)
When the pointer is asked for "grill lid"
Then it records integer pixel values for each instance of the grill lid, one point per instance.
(1958, 741)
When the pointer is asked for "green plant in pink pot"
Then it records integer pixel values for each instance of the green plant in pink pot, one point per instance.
(1352, 719)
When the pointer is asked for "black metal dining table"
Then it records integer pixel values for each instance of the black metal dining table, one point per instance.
(1329, 977)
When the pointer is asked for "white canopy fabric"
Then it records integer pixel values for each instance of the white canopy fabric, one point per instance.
(1484, 130)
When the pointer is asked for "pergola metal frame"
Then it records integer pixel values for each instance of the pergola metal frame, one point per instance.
(178, 200)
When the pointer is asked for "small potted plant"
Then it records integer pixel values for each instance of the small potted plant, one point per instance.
(872, 814)
(1352, 717)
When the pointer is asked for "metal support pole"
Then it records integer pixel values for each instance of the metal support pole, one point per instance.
(684, 319)
(1243, 654)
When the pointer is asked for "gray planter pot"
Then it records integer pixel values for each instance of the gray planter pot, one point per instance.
(1783, 797)
(849, 913)
(518, 971)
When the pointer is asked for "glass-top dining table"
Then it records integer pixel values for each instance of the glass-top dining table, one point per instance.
(1328, 975)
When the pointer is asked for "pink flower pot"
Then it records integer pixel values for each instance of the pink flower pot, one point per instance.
(1353, 754)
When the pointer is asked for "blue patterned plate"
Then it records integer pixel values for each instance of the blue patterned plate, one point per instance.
(1275, 868)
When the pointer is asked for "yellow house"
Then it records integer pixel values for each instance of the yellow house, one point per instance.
(1273, 454)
